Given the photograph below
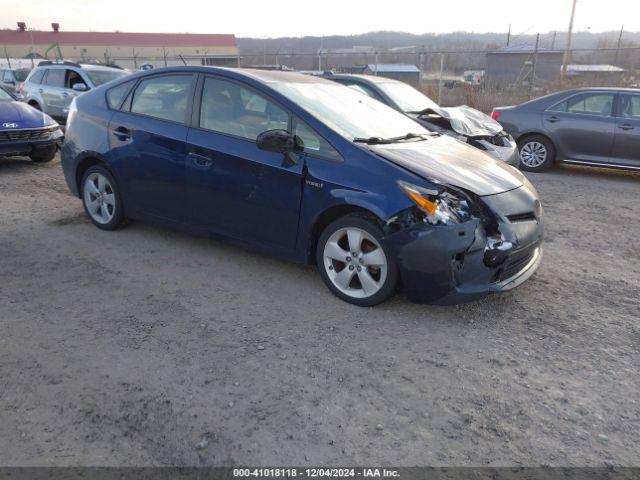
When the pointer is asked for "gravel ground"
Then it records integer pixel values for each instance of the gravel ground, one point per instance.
(151, 347)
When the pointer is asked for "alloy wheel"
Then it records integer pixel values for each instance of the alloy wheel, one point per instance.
(355, 262)
(99, 198)
(533, 154)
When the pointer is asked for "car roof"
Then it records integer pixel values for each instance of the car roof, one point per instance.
(603, 89)
(82, 66)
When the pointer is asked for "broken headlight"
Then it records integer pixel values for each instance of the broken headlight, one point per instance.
(438, 206)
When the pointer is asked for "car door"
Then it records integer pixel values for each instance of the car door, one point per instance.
(51, 91)
(147, 145)
(582, 126)
(234, 188)
(626, 144)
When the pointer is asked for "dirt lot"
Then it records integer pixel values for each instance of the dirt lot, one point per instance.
(150, 347)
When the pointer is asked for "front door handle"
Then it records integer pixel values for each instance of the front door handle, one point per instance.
(553, 119)
(40, 90)
(625, 126)
(201, 160)
(122, 133)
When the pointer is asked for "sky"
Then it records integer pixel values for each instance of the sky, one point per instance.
(275, 18)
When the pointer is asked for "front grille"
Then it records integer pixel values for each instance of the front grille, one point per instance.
(516, 262)
(28, 135)
(522, 217)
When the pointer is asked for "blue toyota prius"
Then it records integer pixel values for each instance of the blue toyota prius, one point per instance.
(308, 170)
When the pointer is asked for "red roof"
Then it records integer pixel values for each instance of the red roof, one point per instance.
(11, 37)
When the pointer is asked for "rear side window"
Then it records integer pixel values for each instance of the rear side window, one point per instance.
(37, 76)
(55, 77)
(163, 97)
(228, 107)
(116, 95)
(630, 106)
(587, 104)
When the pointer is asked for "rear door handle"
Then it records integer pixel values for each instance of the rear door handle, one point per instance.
(122, 133)
(201, 160)
(553, 119)
(625, 126)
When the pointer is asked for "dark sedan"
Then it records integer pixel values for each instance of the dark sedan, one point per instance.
(308, 170)
(588, 126)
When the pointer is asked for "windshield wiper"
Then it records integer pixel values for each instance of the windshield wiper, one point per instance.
(383, 141)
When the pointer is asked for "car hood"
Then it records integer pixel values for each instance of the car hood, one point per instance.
(20, 115)
(465, 120)
(442, 159)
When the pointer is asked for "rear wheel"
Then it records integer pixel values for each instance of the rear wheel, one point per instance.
(354, 262)
(44, 155)
(537, 153)
(101, 198)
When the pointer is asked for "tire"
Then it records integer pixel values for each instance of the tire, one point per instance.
(368, 278)
(101, 198)
(537, 153)
(44, 154)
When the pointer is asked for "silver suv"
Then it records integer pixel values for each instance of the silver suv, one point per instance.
(52, 85)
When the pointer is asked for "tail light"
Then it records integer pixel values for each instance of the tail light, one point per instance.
(495, 115)
(21, 88)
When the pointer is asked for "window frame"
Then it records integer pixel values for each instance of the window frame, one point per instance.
(614, 104)
(128, 101)
(197, 105)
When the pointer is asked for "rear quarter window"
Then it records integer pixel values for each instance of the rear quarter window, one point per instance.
(37, 76)
(116, 95)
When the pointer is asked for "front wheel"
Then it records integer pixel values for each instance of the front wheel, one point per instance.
(354, 262)
(537, 153)
(101, 198)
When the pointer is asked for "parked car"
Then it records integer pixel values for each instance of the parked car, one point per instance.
(52, 85)
(587, 126)
(26, 131)
(308, 170)
(464, 123)
(13, 77)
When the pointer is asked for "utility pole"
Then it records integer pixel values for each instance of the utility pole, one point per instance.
(553, 40)
(567, 52)
(532, 81)
(619, 44)
(509, 35)
(440, 80)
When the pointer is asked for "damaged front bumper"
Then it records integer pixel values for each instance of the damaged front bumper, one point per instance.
(446, 264)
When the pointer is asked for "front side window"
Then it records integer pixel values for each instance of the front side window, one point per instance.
(314, 144)
(55, 77)
(406, 97)
(587, 104)
(74, 78)
(228, 107)
(164, 97)
(630, 106)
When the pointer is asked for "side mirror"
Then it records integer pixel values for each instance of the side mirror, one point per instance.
(281, 141)
(80, 87)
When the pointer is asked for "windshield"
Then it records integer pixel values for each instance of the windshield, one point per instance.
(348, 112)
(5, 97)
(98, 77)
(406, 97)
(21, 74)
